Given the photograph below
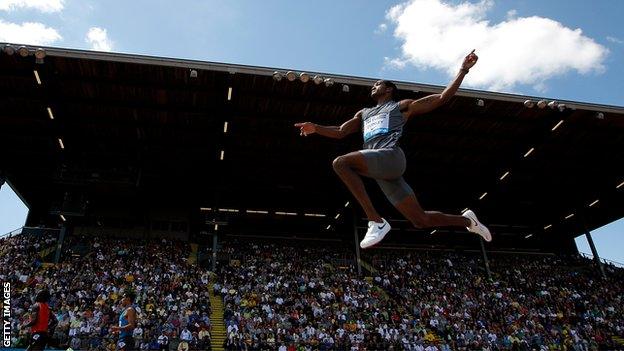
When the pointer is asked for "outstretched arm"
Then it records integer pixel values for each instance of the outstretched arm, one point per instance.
(337, 132)
(411, 108)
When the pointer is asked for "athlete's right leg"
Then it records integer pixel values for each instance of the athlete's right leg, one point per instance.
(349, 167)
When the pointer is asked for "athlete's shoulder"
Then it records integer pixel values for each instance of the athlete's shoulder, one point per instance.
(364, 112)
(395, 105)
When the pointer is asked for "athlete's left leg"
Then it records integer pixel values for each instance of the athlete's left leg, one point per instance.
(403, 198)
(413, 212)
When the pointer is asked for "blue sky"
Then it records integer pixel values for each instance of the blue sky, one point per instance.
(557, 49)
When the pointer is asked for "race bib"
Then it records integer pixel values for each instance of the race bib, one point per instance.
(376, 125)
(121, 344)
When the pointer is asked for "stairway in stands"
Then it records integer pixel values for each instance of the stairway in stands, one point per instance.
(47, 251)
(368, 266)
(192, 259)
(218, 333)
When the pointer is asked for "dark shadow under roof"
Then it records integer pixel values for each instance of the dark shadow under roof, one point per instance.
(136, 128)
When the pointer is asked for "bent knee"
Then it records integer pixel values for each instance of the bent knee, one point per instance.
(340, 163)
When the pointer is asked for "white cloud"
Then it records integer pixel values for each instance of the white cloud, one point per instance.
(511, 14)
(524, 50)
(41, 5)
(540, 88)
(615, 40)
(394, 63)
(98, 39)
(30, 33)
(381, 28)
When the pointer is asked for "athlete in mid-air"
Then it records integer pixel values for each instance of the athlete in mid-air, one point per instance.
(383, 160)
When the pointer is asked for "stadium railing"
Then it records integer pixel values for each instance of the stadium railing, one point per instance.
(30, 231)
(12, 233)
(604, 260)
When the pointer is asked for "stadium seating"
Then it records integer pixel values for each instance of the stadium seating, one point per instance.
(290, 295)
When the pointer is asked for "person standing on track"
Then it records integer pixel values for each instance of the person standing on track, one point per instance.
(127, 323)
(42, 322)
(383, 160)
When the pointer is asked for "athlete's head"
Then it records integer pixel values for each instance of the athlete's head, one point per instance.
(128, 298)
(43, 295)
(384, 89)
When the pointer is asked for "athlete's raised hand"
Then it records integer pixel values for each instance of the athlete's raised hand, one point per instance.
(411, 108)
(470, 60)
(306, 128)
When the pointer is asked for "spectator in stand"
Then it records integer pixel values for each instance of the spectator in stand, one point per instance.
(163, 341)
(186, 335)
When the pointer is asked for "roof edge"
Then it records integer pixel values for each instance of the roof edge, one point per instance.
(338, 78)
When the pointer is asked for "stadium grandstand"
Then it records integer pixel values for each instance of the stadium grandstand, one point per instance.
(186, 183)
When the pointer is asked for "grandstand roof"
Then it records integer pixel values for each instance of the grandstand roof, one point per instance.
(136, 130)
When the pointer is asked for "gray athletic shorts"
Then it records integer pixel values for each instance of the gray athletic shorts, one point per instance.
(387, 166)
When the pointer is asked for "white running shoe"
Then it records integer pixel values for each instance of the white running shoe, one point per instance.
(375, 233)
(476, 226)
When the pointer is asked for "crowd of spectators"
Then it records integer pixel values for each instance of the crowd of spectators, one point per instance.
(304, 295)
(20, 257)
(283, 296)
(532, 303)
(172, 300)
